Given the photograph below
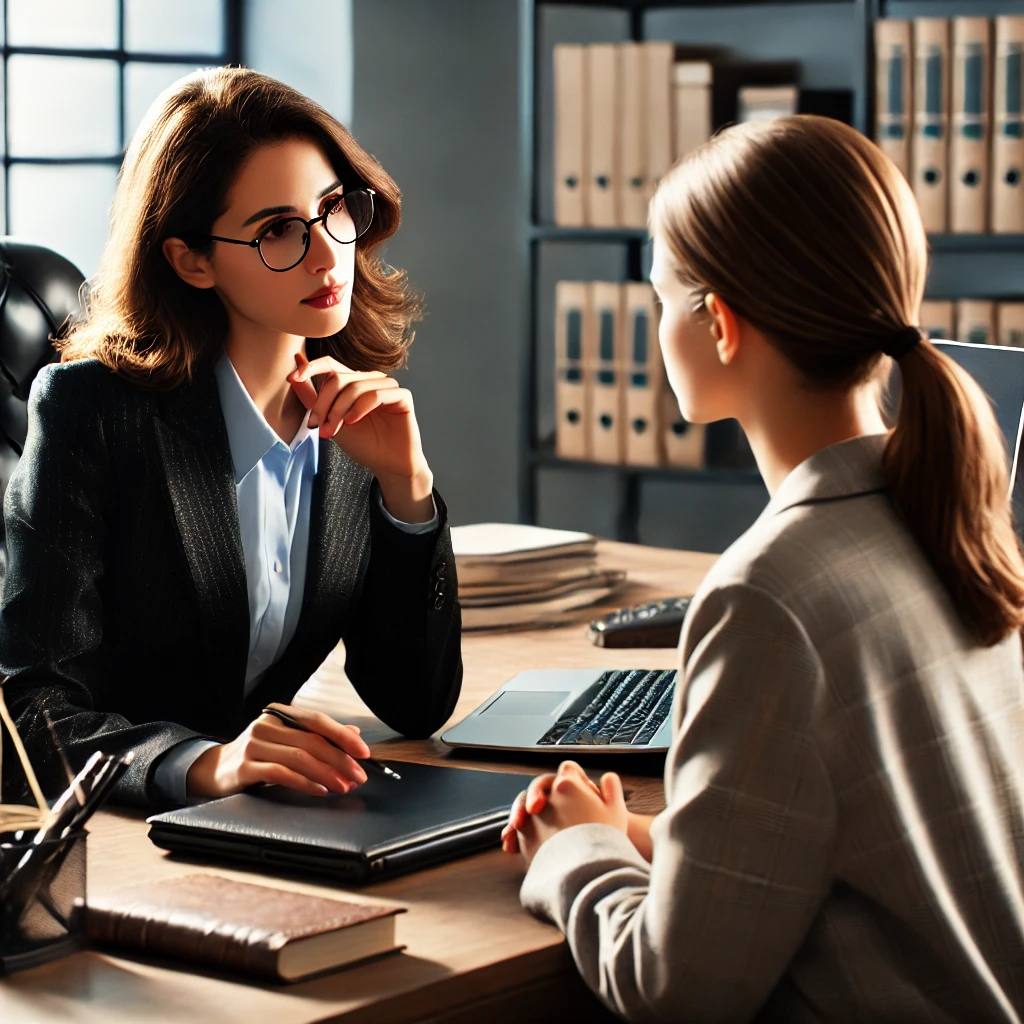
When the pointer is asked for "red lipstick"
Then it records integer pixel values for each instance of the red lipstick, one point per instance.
(324, 298)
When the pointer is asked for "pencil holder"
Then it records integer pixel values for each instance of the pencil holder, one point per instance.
(38, 921)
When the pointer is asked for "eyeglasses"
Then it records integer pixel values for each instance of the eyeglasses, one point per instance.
(284, 242)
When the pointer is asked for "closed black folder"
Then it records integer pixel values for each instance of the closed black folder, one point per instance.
(383, 828)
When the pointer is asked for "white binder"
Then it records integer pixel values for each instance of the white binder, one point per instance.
(692, 103)
(644, 378)
(1010, 324)
(632, 199)
(603, 115)
(969, 139)
(658, 149)
(930, 150)
(1007, 216)
(604, 373)
(975, 321)
(572, 405)
(937, 319)
(893, 95)
(570, 120)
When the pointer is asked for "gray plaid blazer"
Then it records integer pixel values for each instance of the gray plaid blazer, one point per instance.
(844, 835)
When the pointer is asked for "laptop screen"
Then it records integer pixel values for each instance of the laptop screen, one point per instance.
(1000, 373)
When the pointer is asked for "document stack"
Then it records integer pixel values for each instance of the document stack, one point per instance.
(613, 403)
(513, 576)
(958, 140)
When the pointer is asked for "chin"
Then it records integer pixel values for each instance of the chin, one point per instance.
(325, 323)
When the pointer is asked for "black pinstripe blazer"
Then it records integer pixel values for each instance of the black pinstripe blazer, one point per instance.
(124, 610)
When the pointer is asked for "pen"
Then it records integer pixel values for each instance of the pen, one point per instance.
(296, 724)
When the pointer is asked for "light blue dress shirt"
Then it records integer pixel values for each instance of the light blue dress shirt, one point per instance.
(274, 486)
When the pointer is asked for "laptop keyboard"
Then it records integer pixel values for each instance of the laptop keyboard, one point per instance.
(628, 706)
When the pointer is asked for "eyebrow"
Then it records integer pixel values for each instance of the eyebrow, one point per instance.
(273, 211)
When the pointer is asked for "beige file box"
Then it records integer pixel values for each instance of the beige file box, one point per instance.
(604, 372)
(644, 378)
(684, 441)
(658, 58)
(937, 319)
(930, 145)
(893, 93)
(570, 122)
(632, 132)
(969, 137)
(764, 102)
(1007, 205)
(975, 321)
(603, 117)
(1010, 324)
(572, 411)
(691, 104)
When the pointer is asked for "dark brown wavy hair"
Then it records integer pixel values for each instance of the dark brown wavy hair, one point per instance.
(140, 318)
(811, 234)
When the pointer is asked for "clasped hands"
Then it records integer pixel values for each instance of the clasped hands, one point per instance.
(557, 801)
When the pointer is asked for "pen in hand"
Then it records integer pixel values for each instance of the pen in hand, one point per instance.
(283, 716)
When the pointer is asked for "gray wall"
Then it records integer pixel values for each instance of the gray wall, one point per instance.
(436, 101)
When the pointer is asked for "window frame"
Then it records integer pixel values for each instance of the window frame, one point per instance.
(230, 54)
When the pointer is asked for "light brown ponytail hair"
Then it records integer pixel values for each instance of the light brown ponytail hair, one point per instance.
(811, 234)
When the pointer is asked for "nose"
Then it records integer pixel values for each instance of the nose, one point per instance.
(323, 253)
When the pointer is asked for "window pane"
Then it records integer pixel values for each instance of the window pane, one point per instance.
(174, 26)
(64, 207)
(62, 106)
(77, 24)
(142, 84)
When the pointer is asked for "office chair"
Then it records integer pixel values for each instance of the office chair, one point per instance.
(39, 293)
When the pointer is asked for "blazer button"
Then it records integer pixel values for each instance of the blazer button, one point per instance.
(439, 600)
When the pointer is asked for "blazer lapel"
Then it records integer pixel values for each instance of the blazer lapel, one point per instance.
(193, 444)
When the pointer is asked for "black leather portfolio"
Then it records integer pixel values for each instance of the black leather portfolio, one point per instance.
(383, 828)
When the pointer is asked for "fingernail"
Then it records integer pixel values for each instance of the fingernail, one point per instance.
(314, 420)
(321, 790)
(360, 775)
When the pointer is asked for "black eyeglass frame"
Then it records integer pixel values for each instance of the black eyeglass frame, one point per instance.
(254, 243)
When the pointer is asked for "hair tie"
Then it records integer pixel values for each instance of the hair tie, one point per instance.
(902, 342)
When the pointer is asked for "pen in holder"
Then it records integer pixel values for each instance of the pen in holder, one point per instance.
(42, 856)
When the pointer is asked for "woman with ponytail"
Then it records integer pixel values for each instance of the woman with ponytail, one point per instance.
(844, 831)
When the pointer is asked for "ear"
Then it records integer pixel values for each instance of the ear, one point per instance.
(725, 328)
(192, 267)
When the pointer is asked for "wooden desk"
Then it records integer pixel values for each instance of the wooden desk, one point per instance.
(472, 952)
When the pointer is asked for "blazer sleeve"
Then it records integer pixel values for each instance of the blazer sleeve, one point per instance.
(404, 643)
(741, 854)
(58, 522)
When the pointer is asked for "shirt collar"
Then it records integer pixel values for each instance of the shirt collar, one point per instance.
(840, 470)
(250, 436)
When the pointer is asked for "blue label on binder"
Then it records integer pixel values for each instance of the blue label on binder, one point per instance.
(607, 337)
(639, 380)
(640, 337)
(606, 377)
(1013, 77)
(893, 131)
(573, 374)
(573, 335)
(896, 101)
(1013, 129)
(973, 78)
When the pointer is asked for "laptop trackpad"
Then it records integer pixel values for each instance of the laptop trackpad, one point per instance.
(526, 702)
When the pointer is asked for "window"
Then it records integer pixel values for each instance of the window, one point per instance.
(78, 76)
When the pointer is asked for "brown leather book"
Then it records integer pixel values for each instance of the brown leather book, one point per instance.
(238, 927)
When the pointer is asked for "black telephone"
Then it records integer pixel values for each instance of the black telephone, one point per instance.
(655, 624)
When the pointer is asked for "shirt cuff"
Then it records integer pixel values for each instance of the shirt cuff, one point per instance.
(414, 528)
(173, 767)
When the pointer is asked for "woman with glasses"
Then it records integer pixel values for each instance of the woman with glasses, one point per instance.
(220, 479)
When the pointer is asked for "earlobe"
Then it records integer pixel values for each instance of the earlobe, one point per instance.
(192, 267)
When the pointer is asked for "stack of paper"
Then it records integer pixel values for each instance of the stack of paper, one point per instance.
(514, 576)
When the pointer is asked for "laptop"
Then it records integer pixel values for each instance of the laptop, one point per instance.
(384, 828)
(628, 710)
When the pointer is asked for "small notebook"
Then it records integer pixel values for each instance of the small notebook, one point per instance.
(383, 828)
(514, 542)
(238, 927)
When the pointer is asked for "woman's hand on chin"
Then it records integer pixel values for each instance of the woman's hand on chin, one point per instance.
(373, 421)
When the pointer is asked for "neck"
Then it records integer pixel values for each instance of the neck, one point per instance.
(787, 426)
(263, 359)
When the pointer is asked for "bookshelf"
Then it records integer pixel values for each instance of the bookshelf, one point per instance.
(833, 40)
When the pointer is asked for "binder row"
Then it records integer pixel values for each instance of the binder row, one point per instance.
(950, 113)
(979, 321)
(613, 403)
(624, 113)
